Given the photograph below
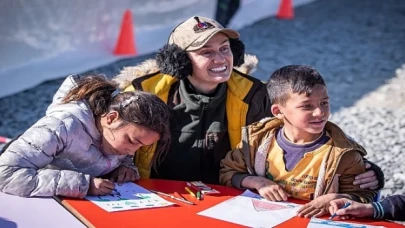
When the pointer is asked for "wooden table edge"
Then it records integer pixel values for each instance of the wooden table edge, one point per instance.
(74, 212)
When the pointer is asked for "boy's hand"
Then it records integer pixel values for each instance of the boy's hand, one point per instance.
(124, 174)
(270, 190)
(367, 179)
(355, 209)
(100, 187)
(318, 206)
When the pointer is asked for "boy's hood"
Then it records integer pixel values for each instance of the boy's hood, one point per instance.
(268, 126)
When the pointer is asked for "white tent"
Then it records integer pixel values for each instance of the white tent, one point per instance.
(47, 39)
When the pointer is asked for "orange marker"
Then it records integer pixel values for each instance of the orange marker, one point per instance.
(197, 195)
(191, 193)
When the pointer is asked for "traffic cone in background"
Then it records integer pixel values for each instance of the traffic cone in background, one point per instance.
(126, 43)
(286, 10)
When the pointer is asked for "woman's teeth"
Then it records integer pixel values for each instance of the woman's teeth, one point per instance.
(218, 69)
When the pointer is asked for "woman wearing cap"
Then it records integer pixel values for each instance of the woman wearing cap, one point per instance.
(199, 74)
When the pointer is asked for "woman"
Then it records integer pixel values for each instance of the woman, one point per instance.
(91, 131)
(199, 75)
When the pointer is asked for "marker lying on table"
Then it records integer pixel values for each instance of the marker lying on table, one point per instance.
(181, 196)
(173, 197)
(347, 204)
(195, 194)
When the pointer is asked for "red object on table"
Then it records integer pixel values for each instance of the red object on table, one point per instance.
(174, 216)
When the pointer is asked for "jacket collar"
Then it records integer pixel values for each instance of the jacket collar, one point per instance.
(341, 141)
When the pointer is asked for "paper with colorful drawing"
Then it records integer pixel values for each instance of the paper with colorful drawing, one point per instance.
(325, 223)
(250, 209)
(129, 196)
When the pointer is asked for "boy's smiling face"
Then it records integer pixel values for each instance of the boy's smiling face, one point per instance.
(304, 116)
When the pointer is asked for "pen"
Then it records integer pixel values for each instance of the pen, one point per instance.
(347, 204)
(173, 197)
(116, 192)
(181, 196)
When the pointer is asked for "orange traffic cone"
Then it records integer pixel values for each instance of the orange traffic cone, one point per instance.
(126, 44)
(286, 10)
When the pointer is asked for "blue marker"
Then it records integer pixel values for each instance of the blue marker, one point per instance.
(116, 192)
(347, 204)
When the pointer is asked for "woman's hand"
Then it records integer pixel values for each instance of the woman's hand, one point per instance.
(123, 174)
(355, 209)
(367, 179)
(270, 190)
(100, 187)
(318, 206)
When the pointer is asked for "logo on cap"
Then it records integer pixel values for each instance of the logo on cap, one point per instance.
(202, 26)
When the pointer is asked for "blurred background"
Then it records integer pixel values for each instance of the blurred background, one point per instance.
(358, 47)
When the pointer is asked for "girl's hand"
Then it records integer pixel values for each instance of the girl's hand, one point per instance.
(100, 187)
(124, 174)
(355, 209)
(270, 190)
(318, 206)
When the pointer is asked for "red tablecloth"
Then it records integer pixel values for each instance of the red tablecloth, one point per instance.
(175, 216)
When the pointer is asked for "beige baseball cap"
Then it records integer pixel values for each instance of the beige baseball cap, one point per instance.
(194, 33)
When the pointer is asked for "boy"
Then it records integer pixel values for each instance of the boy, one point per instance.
(298, 153)
(391, 207)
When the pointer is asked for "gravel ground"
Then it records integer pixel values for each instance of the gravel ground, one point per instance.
(359, 48)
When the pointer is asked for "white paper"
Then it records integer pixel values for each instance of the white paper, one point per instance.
(250, 209)
(130, 196)
(324, 223)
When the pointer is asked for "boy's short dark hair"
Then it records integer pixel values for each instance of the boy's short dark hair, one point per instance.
(292, 78)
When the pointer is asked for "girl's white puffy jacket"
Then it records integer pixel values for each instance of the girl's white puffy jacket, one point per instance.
(58, 154)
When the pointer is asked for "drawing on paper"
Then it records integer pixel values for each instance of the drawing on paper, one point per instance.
(129, 196)
(260, 205)
(251, 210)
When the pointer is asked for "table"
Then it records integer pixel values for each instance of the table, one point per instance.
(22, 212)
(175, 216)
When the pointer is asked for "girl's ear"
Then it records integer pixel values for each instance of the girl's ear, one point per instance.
(277, 112)
(112, 117)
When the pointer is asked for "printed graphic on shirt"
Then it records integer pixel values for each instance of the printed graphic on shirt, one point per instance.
(299, 186)
(300, 182)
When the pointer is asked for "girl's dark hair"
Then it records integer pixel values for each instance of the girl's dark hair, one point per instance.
(173, 60)
(144, 109)
(292, 79)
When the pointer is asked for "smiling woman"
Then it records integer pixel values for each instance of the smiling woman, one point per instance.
(195, 74)
(212, 64)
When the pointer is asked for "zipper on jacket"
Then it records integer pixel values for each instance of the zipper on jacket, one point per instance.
(246, 150)
(201, 141)
(327, 187)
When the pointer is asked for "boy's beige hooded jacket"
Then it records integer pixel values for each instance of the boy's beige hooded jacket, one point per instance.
(339, 167)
